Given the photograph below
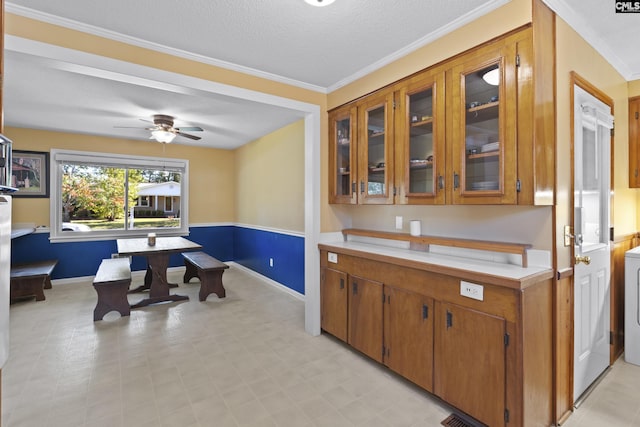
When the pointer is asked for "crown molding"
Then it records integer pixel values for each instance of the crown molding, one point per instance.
(112, 35)
(574, 20)
(429, 38)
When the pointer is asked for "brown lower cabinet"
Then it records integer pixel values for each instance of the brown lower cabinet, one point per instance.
(333, 303)
(365, 316)
(408, 335)
(491, 359)
(470, 362)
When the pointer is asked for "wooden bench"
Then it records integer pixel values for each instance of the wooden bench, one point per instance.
(112, 283)
(208, 269)
(29, 279)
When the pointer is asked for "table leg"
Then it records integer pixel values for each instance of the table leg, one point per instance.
(158, 285)
(146, 284)
(148, 275)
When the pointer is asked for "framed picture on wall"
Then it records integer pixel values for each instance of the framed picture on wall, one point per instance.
(30, 173)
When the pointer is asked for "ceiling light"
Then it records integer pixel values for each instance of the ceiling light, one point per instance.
(492, 77)
(319, 3)
(161, 135)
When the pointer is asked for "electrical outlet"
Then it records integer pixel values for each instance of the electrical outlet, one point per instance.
(471, 290)
(332, 257)
(398, 223)
(270, 262)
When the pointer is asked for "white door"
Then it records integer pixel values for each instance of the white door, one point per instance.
(592, 139)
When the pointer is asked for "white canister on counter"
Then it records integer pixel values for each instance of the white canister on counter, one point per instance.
(415, 227)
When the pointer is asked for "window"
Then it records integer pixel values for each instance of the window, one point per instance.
(143, 201)
(100, 195)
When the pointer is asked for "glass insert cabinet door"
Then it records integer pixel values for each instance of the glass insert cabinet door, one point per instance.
(343, 156)
(421, 179)
(482, 129)
(420, 130)
(484, 160)
(375, 148)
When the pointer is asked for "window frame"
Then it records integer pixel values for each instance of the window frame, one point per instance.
(60, 157)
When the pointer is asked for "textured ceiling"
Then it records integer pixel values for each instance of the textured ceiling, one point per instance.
(317, 45)
(320, 49)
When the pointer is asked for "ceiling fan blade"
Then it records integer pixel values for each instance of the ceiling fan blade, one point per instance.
(128, 127)
(189, 129)
(186, 135)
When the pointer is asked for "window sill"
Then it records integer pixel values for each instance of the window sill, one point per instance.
(88, 236)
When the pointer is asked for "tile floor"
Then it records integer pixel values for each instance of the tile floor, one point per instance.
(241, 361)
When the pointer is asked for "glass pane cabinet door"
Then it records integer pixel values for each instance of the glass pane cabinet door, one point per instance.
(375, 150)
(482, 130)
(376, 160)
(420, 132)
(485, 163)
(343, 180)
(343, 157)
(421, 173)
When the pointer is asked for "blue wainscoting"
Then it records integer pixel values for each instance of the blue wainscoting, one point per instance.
(75, 259)
(254, 248)
(249, 247)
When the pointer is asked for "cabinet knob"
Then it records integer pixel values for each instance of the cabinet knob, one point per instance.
(456, 181)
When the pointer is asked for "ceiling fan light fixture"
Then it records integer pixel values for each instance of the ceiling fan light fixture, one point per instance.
(319, 3)
(162, 135)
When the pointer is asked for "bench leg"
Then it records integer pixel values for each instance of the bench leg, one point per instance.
(28, 286)
(190, 271)
(47, 282)
(112, 296)
(211, 282)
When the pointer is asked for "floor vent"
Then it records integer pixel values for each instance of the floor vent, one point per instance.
(456, 420)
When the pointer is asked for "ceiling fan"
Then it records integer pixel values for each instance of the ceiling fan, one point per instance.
(163, 130)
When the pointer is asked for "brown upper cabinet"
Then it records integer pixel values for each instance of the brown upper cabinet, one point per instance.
(343, 156)
(476, 129)
(483, 126)
(420, 147)
(362, 151)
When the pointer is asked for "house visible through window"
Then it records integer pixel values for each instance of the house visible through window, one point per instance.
(98, 194)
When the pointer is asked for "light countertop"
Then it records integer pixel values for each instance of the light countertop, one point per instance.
(437, 261)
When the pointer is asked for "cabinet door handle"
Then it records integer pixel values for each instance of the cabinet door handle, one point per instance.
(341, 283)
(361, 186)
(456, 181)
(355, 288)
(353, 187)
(449, 319)
(441, 182)
(425, 312)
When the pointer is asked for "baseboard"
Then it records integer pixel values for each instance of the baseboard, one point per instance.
(267, 280)
(139, 274)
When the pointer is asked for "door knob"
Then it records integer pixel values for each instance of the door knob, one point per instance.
(585, 259)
